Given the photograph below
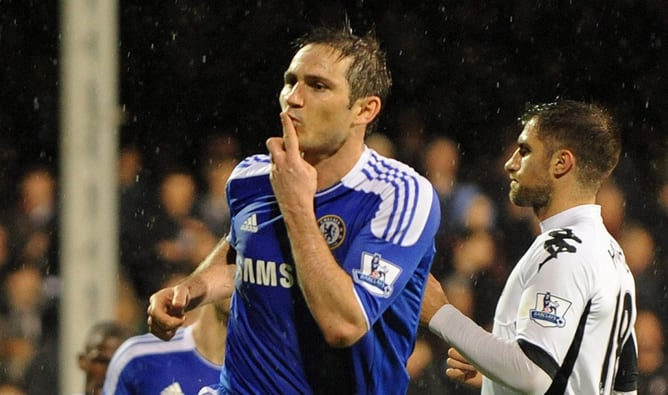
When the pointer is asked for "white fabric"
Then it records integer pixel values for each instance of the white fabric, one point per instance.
(572, 263)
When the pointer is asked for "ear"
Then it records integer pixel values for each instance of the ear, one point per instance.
(367, 108)
(564, 162)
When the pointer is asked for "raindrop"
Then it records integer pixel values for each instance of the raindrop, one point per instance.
(35, 103)
(203, 58)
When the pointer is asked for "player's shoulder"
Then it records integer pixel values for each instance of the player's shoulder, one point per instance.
(378, 173)
(408, 209)
(254, 165)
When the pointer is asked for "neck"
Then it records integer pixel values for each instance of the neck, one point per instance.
(209, 332)
(332, 168)
(564, 200)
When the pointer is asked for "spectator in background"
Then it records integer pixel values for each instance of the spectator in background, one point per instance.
(101, 342)
(11, 389)
(131, 181)
(655, 212)
(33, 225)
(411, 139)
(612, 200)
(172, 236)
(640, 250)
(381, 143)
(220, 147)
(221, 154)
(463, 205)
(211, 206)
(652, 365)
(21, 328)
(5, 252)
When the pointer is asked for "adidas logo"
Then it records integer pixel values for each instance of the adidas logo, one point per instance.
(250, 224)
(174, 389)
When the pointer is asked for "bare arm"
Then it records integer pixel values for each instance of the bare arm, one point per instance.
(212, 281)
(327, 288)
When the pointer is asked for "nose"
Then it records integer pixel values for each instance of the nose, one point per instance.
(292, 95)
(512, 162)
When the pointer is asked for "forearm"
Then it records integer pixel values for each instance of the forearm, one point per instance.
(327, 288)
(213, 280)
(501, 360)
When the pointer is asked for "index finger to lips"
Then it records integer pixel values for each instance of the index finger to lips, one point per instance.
(289, 134)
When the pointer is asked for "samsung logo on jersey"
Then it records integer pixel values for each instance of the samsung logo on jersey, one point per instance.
(268, 273)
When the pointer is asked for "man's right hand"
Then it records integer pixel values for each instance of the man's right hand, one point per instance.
(459, 369)
(166, 311)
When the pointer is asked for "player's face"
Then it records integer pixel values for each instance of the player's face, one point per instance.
(315, 95)
(528, 169)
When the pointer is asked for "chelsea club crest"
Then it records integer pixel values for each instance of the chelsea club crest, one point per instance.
(333, 229)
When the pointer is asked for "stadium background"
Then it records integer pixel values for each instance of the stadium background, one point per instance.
(193, 67)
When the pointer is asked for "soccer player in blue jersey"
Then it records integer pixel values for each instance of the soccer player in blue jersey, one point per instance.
(564, 322)
(330, 244)
(182, 366)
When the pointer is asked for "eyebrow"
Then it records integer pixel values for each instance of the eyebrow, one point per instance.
(309, 78)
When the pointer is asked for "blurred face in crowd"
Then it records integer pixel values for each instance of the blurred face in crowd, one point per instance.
(178, 192)
(316, 96)
(38, 191)
(95, 361)
(528, 168)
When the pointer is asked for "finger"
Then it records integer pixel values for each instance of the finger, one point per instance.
(290, 141)
(459, 375)
(180, 300)
(453, 363)
(453, 353)
(274, 146)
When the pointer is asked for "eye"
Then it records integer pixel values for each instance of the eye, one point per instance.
(319, 86)
(523, 151)
(289, 80)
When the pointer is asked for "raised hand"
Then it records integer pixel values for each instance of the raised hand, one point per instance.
(293, 179)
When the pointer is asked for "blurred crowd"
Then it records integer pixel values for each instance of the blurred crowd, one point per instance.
(171, 216)
(170, 220)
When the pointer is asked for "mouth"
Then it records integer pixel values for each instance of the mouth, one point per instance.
(294, 119)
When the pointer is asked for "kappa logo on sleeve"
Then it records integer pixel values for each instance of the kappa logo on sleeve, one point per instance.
(376, 275)
(558, 243)
(550, 310)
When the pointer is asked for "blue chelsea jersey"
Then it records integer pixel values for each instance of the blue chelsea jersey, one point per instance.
(379, 222)
(146, 365)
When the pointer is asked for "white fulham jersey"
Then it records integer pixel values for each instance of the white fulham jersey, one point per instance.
(570, 305)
